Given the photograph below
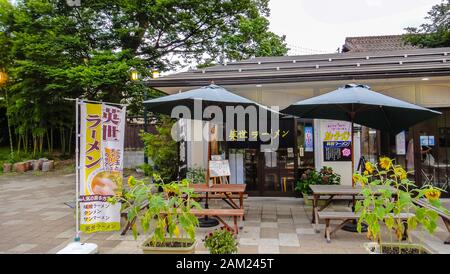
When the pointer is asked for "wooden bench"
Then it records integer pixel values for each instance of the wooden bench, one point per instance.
(444, 215)
(347, 216)
(338, 198)
(216, 213)
(220, 196)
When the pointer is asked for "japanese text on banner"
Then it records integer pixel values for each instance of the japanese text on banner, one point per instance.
(101, 163)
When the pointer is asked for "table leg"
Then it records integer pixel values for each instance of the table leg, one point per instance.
(447, 224)
(241, 204)
(313, 217)
(231, 201)
(315, 211)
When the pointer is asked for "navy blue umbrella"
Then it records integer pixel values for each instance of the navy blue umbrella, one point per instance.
(211, 95)
(359, 104)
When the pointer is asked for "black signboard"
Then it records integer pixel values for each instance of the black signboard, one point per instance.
(337, 151)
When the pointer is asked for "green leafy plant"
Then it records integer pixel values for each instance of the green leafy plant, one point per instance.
(196, 175)
(165, 214)
(387, 192)
(221, 241)
(329, 177)
(162, 150)
(326, 176)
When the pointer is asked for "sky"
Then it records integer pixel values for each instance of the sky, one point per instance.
(320, 26)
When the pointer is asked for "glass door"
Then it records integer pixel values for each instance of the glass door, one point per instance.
(278, 172)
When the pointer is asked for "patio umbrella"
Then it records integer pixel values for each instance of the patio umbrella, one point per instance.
(211, 95)
(358, 104)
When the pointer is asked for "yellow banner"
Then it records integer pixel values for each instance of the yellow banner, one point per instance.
(101, 163)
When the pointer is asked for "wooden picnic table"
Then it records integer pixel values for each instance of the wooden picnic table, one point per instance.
(226, 189)
(332, 191)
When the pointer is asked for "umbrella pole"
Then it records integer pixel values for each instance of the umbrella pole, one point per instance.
(352, 226)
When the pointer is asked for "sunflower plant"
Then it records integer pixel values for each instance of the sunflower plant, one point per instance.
(161, 209)
(387, 192)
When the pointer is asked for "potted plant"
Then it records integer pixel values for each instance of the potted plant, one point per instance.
(163, 211)
(221, 241)
(380, 184)
(326, 176)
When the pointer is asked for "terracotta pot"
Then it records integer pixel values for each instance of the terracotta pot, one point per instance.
(21, 167)
(7, 167)
(169, 250)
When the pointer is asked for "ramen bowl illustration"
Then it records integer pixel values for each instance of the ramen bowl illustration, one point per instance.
(106, 183)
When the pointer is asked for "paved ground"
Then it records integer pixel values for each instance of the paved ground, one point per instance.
(34, 219)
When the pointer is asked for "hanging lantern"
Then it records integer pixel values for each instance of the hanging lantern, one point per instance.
(155, 73)
(134, 75)
(3, 77)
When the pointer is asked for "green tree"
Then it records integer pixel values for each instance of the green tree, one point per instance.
(436, 31)
(162, 150)
(53, 51)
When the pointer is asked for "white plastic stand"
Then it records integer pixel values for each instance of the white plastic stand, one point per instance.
(79, 248)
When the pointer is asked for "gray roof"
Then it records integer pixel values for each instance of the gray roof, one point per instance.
(320, 67)
(375, 43)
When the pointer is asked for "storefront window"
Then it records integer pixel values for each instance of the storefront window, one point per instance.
(434, 143)
(369, 144)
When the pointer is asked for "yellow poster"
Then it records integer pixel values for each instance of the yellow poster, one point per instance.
(101, 163)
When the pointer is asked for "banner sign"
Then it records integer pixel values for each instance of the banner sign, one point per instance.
(309, 144)
(101, 164)
(400, 143)
(337, 144)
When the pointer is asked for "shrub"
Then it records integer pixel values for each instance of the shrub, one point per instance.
(325, 176)
(221, 241)
(162, 150)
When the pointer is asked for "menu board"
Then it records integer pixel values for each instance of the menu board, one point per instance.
(337, 144)
(337, 151)
(219, 168)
